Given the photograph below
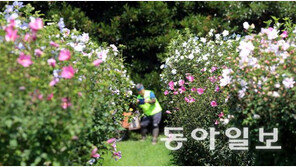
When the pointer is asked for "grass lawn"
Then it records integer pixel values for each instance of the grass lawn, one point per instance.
(140, 153)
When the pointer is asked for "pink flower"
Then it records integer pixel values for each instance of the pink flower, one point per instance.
(36, 24)
(34, 35)
(186, 99)
(217, 89)
(11, 34)
(112, 140)
(214, 103)
(213, 79)
(168, 112)
(40, 96)
(176, 92)
(221, 114)
(75, 137)
(79, 94)
(54, 44)
(66, 103)
(24, 60)
(54, 81)
(114, 146)
(171, 85)
(192, 100)
(200, 91)
(203, 70)
(166, 92)
(64, 55)
(214, 69)
(49, 97)
(216, 122)
(182, 89)
(27, 38)
(11, 23)
(190, 78)
(284, 34)
(117, 155)
(51, 62)
(97, 62)
(193, 89)
(68, 72)
(181, 82)
(94, 153)
(189, 99)
(38, 52)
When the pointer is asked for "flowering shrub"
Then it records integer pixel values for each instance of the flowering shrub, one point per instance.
(246, 82)
(195, 99)
(261, 85)
(62, 95)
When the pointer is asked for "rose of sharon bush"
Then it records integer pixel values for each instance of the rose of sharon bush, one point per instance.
(56, 105)
(249, 82)
(262, 90)
(193, 95)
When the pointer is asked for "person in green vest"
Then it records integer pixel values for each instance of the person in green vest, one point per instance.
(152, 111)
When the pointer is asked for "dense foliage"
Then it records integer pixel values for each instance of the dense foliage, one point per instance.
(62, 94)
(233, 81)
(191, 76)
(146, 28)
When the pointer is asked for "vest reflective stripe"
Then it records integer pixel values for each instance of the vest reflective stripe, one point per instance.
(149, 109)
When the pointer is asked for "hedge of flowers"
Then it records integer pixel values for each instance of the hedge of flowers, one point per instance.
(62, 95)
(194, 97)
(227, 80)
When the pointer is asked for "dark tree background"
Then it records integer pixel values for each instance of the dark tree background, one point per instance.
(145, 28)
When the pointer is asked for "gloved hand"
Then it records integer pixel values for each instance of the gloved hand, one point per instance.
(141, 101)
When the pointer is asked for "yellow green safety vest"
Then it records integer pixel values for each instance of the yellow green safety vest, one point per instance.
(149, 109)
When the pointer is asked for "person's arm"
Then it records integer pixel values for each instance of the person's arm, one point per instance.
(141, 101)
(152, 98)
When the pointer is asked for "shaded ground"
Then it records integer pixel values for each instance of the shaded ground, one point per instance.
(140, 153)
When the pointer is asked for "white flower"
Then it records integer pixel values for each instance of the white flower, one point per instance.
(211, 32)
(243, 83)
(252, 26)
(277, 85)
(79, 47)
(226, 72)
(275, 94)
(246, 25)
(65, 32)
(84, 38)
(18, 23)
(174, 71)
(225, 81)
(246, 46)
(289, 82)
(191, 56)
(217, 36)
(13, 16)
(203, 40)
(130, 92)
(161, 67)
(225, 121)
(103, 54)
(114, 48)
(241, 93)
(256, 116)
(225, 33)
(272, 34)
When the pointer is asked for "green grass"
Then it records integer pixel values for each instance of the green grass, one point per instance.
(140, 153)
